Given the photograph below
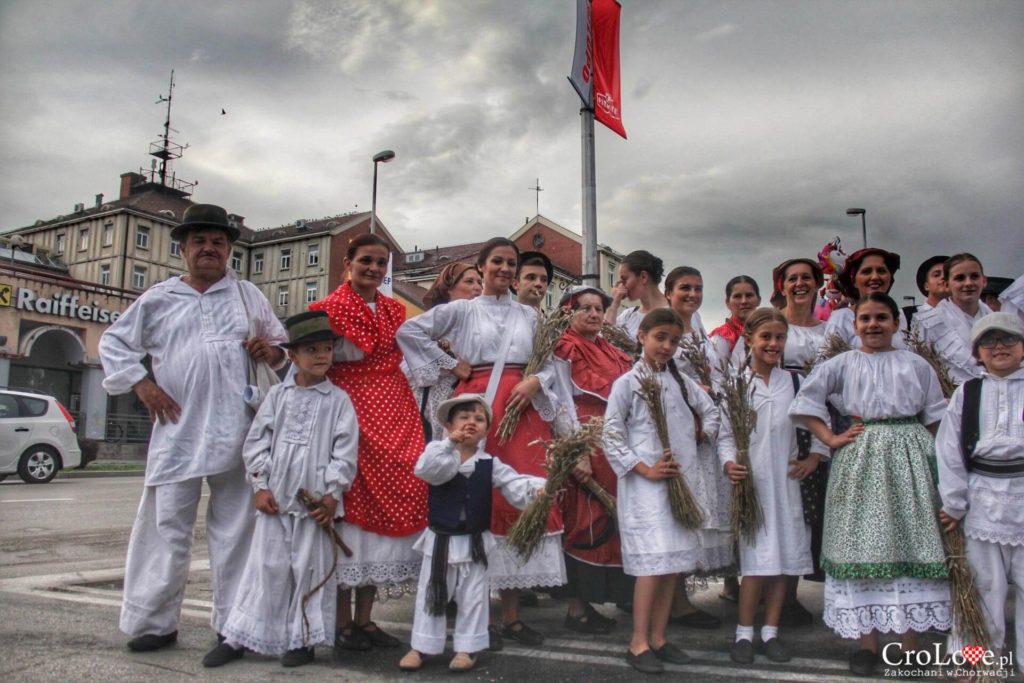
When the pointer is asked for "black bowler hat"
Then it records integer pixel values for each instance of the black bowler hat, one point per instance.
(308, 327)
(922, 271)
(205, 217)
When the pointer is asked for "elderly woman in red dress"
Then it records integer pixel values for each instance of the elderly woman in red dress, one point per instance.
(386, 509)
(587, 366)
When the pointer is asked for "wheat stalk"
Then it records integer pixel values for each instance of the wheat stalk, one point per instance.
(696, 355)
(549, 330)
(562, 454)
(737, 388)
(619, 337)
(927, 351)
(833, 346)
(968, 614)
(684, 506)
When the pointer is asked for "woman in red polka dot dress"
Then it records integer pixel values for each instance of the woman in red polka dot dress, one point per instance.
(386, 509)
(486, 333)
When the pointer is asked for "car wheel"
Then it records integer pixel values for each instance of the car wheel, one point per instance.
(38, 465)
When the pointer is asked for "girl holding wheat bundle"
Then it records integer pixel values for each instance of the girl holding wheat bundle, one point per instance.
(649, 443)
(782, 546)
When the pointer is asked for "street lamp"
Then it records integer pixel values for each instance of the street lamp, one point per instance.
(863, 222)
(380, 157)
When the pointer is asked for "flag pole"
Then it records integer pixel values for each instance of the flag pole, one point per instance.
(591, 274)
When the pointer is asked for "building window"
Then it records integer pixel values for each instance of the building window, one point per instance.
(313, 255)
(286, 259)
(282, 297)
(139, 277)
(108, 234)
(236, 261)
(105, 274)
(175, 248)
(142, 237)
(311, 292)
(83, 239)
(60, 243)
(257, 263)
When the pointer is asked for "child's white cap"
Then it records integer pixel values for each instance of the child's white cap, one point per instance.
(446, 406)
(1004, 322)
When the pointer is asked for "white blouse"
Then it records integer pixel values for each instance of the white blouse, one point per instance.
(873, 386)
(803, 345)
(195, 342)
(303, 437)
(949, 328)
(1012, 298)
(994, 505)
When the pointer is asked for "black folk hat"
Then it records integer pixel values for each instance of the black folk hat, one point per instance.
(922, 271)
(308, 327)
(205, 217)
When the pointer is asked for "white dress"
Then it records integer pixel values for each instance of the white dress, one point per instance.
(708, 483)
(308, 438)
(783, 544)
(653, 542)
(1012, 298)
(841, 323)
(949, 328)
(877, 386)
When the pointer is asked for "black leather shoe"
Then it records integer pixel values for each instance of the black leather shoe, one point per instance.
(862, 662)
(351, 637)
(495, 643)
(377, 637)
(297, 657)
(221, 655)
(152, 641)
(521, 633)
(671, 654)
(742, 652)
(646, 662)
(776, 651)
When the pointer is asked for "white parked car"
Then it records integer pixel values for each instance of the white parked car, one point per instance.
(37, 437)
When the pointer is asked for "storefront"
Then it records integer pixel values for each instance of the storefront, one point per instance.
(50, 328)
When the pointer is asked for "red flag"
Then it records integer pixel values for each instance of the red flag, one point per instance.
(604, 24)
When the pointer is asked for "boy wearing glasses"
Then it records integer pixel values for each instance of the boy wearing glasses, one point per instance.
(980, 449)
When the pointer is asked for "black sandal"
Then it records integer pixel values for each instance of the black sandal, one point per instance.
(377, 637)
(351, 637)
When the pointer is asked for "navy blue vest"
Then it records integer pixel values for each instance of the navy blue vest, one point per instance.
(472, 494)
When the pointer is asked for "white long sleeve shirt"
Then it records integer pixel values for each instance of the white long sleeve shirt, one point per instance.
(994, 506)
(195, 342)
(949, 329)
(303, 437)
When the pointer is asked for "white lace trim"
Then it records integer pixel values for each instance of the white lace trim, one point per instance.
(381, 574)
(302, 410)
(993, 536)
(658, 564)
(276, 647)
(855, 607)
(713, 559)
(427, 375)
(546, 567)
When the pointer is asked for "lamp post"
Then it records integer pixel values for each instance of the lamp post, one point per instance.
(384, 156)
(863, 222)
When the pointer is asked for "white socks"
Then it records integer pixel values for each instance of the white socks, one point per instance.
(768, 633)
(744, 633)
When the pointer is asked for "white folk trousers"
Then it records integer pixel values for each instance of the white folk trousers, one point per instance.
(468, 586)
(995, 566)
(159, 552)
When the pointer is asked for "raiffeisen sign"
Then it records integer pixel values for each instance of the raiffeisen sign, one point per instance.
(63, 305)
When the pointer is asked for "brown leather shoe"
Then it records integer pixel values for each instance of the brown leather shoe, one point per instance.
(412, 661)
(462, 662)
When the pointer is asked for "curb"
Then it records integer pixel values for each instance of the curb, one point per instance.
(86, 474)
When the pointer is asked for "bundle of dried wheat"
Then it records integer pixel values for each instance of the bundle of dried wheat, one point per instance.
(685, 508)
(696, 355)
(968, 617)
(736, 391)
(833, 346)
(562, 456)
(549, 330)
(618, 336)
(927, 351)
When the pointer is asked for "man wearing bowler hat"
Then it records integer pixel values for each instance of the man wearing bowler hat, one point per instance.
(196, 330)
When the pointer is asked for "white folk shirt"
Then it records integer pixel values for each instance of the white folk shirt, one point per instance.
(195, 342)
(872, 386)
(994, 505)
(949, 329)
(303, 437)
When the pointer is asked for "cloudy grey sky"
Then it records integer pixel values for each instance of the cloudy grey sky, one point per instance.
(752, 125)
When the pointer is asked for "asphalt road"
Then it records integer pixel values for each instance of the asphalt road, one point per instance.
(62, 549)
